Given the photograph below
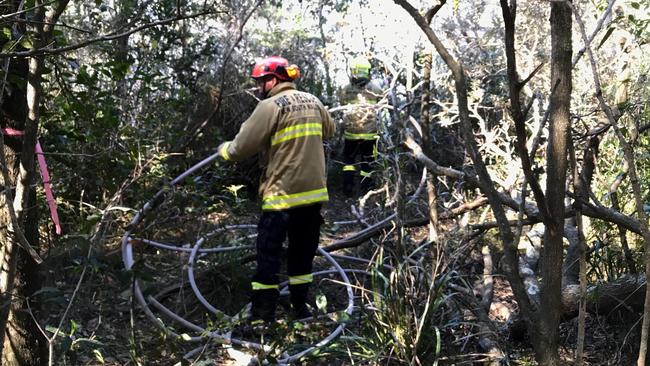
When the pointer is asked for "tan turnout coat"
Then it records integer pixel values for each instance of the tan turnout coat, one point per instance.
(360, 121)
(288, 128)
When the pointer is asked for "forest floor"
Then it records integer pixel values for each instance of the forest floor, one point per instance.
(106, 326)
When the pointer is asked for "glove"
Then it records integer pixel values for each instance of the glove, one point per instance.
(223, 150)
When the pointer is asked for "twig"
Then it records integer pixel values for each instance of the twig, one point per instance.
(532, 74)
(107, 37)
(65, 25)
(20, 12)
(599, 25)
(215, 111)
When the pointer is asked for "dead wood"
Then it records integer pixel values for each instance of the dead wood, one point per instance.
(623, 294)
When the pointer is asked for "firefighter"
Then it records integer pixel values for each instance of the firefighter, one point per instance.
(287, 127)
(360, 125)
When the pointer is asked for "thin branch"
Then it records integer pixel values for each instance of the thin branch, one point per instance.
(64, 25)
(588, 209)
(453, 65)
(104, 38)
(20, 12)
(532, 74)
(599, 25)
(530, 104)
(215, 111)
(509, 17)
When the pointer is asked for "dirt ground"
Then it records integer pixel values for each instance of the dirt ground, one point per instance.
(107, 327)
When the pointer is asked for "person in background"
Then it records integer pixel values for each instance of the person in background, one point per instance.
(287, 127)
(359, 125)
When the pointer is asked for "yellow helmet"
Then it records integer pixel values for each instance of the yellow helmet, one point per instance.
(360, 68)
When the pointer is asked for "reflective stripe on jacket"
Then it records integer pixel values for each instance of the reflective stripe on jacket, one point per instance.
(360, 122)
(288, 128)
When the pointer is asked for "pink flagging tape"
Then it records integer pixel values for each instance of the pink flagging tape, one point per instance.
(45, 175)
(47, 186)
(11, 132)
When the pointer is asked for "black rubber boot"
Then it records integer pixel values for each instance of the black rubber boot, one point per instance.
(263, 304)
(298, 296)
(348, 184)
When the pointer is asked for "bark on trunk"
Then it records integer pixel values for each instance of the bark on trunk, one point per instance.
(24, 343)
(552, 252)
(19, 339)
(426, 146)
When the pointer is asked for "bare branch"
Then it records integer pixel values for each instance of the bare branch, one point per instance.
(24, 11)
(599, 26)
(509, 17)
(104, 38)
(64, 25)
(532, 74)
(215, 111)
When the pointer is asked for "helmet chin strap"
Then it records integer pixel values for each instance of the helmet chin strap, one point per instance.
(360, 82)
(262, 92)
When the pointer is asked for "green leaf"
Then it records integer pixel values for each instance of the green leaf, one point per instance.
(73, 326)
(89, 341)
(321, 302)
(26, 42)
(94, 217)
(52, 329)
(342, 317)
(233, 189)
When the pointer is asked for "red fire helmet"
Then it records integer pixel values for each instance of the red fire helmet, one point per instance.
(276, 66)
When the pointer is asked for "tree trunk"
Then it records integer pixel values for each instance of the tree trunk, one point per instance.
(19, 338)
(329, 88)
(552, 251)
(425, 114)
(24, 343)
